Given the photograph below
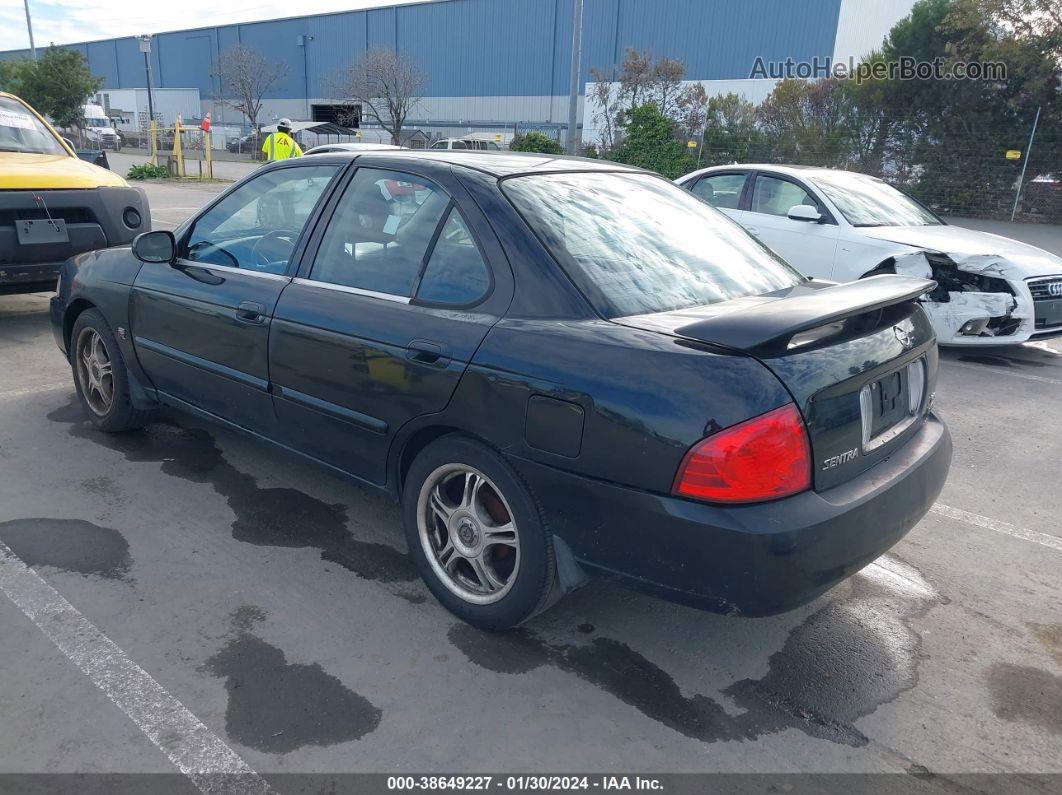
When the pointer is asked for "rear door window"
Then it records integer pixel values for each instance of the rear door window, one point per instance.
(380, 234)
(721, 190)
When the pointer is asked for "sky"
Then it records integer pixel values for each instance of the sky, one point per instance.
(86, 20)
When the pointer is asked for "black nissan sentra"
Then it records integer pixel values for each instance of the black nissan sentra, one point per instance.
(560, 367)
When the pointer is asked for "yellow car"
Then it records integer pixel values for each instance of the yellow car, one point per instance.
(54, 205)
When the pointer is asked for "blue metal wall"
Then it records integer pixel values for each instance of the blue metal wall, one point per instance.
(486, 47)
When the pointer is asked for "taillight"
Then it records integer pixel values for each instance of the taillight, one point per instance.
(764, 458)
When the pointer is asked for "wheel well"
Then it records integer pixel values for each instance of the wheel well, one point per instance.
(417, 442)
(71, 316)
(885, 266)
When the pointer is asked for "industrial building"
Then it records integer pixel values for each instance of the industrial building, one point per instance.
(492, 63)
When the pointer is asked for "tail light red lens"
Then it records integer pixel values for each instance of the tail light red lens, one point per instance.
(760, 459)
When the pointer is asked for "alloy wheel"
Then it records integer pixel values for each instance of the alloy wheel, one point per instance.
(94, 371)
(468, 533)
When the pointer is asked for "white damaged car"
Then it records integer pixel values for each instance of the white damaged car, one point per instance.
(841, 226)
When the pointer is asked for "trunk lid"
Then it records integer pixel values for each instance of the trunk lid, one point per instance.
(859, 359)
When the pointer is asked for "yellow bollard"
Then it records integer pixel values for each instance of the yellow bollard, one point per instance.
(209, 156)
(177, 152)
(153, 142)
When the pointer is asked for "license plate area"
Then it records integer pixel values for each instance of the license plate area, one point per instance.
(41, 231)
(1048, 313)
(891, 404)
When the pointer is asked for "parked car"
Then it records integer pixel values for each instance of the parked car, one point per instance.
(839, 225)
(54, 204)
(558, 370)
(480, 144)
(349, 147)
(245, 143)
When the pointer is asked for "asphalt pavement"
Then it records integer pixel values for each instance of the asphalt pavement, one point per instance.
(186, 593)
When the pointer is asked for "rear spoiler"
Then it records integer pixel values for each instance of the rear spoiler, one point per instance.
(774, 323)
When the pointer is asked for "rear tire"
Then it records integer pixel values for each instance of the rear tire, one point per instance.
(100, 376)
(476, 534)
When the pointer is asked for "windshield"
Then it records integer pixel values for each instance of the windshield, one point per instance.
(636, 243)
(21, 131)
(866, 201)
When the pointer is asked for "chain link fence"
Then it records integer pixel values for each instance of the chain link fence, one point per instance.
(974, 174)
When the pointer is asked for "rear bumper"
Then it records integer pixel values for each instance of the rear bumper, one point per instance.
(752, 559)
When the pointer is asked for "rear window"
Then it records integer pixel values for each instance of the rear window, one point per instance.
(636, 244)
(21, 131)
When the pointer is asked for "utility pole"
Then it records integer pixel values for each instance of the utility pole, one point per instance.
(29, 27)
(145, 47)
(573, 88)
(1025, 164)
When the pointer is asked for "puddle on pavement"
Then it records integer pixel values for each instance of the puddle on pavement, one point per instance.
(843, 662)
(282, 517)
(275, 706)
(1021, 693)
(72, 545)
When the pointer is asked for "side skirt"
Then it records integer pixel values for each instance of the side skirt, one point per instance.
(181, 405)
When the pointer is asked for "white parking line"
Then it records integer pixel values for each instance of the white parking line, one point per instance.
(196, 751)
(1054, 542)
(33, 390)
(1007, 371)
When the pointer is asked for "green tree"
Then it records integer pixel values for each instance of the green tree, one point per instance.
(808, 122)
(58, 85)
(534, 141)
(12, 73)
(732, 134)
(649, 141)
(956, 132)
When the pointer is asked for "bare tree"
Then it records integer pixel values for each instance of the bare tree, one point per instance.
(641, 80)
(387, 85)
(246, 75)
(605, 95)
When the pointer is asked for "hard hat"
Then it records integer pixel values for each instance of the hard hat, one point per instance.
(284, 123)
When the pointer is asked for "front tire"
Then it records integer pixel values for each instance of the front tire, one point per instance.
(476, 534)
(100, 375)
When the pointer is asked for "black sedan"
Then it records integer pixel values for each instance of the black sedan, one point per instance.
(560, 367)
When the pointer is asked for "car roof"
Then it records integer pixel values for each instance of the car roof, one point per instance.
(496, 163)
(780, 168)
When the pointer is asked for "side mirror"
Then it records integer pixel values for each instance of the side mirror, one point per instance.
(69, 143)
(804, 212)
(157, 246)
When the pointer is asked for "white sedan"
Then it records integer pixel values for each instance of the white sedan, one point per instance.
(841, 226)
(351, 147)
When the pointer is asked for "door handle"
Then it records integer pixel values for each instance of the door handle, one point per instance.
(427, 352)
(250, 312)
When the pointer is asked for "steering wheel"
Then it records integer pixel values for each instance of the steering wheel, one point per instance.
(195, 247)
(286, 235)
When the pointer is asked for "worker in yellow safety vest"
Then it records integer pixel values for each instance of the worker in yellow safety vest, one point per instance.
(280, 145)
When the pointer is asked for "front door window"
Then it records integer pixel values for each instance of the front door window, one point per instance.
(257, 225)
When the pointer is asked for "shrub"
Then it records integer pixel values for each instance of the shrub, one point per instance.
(536, 142)
(650, 142)
(148, 171)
